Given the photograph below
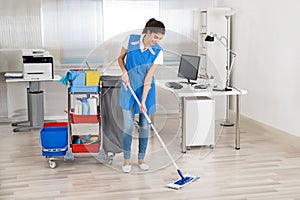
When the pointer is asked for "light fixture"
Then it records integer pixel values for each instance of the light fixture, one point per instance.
(209, 38)
(230, 56)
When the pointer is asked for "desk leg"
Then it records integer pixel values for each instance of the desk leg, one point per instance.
(237, 122)
(35, 109)
(182, 128)
(26, 122)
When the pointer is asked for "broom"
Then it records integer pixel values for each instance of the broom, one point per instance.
(183, 180)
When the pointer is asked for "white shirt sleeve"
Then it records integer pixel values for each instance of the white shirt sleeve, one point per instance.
(160, 58)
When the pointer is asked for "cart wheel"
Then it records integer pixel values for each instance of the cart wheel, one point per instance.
(110, 159)
(52, 164)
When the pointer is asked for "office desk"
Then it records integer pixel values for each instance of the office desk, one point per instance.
(35, 104)
(188, 91)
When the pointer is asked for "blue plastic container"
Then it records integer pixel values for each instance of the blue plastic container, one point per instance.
(54, 141)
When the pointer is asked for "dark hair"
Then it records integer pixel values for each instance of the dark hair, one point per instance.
(154, 26)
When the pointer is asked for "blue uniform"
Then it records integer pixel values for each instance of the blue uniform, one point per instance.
(137, 65)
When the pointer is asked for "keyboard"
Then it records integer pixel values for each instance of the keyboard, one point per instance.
(174, 85)
(200, 87)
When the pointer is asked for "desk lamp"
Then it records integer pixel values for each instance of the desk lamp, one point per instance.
(225, 41)
(230, 57)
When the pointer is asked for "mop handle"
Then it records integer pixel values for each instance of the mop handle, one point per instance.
(155, 131)
(139, 103)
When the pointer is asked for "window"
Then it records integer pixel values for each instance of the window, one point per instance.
(20, 24)
(72, 28)
(122, 16)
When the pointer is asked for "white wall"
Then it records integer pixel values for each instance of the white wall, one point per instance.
(265, 35)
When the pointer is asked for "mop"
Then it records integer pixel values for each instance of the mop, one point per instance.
(183, 180)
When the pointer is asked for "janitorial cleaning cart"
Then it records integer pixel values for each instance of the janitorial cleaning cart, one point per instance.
(107, 115)
(91, 103)
(83, 108)
(58, 138)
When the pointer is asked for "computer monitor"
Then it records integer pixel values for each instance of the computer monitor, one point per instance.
(188, 67)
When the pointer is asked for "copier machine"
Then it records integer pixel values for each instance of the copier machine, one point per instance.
(37, 64)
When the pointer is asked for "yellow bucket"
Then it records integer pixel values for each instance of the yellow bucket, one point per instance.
(92, 78)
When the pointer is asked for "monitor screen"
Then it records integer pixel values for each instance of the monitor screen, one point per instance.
(188, 67)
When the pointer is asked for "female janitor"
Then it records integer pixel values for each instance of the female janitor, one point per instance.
(139, 58)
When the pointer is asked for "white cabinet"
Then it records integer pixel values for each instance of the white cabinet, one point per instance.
(199, 121)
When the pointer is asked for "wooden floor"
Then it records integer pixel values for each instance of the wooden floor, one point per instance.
(266, 167)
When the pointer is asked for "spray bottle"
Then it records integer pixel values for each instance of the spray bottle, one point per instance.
(93, 105)
(78, 107)
(85, 106)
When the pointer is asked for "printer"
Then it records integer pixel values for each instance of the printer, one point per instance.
(37, 64)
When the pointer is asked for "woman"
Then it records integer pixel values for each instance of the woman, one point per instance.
(143, 56)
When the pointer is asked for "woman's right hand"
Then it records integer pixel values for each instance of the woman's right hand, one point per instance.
(125, 79)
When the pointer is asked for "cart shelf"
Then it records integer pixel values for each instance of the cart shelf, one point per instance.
(83, 119)
(89, 147)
